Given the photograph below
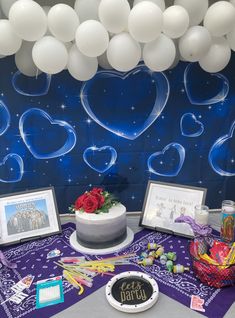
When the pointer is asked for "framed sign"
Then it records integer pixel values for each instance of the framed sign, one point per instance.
(28, 215)
(164, 202)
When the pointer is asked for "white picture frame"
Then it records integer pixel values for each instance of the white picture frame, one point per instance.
(28, 215)
(164, 202)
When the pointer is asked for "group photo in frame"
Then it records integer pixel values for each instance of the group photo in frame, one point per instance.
(164, 202)
(28, 215)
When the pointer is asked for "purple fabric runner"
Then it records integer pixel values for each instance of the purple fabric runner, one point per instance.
(31, 259)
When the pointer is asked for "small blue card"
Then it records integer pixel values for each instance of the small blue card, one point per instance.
(49, 293)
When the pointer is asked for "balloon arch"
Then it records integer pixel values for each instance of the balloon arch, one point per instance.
(116, 35)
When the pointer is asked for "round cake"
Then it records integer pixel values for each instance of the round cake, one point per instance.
(101, 230)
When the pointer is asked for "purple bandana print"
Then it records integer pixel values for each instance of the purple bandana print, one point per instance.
(31, 258)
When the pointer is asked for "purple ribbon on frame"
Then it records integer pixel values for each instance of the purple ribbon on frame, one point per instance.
(198, 229)
(6, 262)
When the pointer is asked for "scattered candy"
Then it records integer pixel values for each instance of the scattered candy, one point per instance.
(171, 256)
(144, 255)
(166, 259)
(147, 261)
(163, 259)
(153, 246)
(178, 269)
(159, 252)
(152, 253)
(169, 265)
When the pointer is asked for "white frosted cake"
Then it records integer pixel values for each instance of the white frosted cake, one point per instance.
(101, 230)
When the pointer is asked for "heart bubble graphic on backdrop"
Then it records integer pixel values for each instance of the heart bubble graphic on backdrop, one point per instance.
(125, 104)
(204, 88)
(40, 134)
(100, 159)
(5, 118)
(190, 126)
(11, 168)
(222, 155)
(167, 162)
(31, 86)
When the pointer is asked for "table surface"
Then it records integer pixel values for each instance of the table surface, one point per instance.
(96, 305)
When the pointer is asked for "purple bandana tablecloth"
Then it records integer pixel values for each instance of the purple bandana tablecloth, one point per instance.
(31, 258)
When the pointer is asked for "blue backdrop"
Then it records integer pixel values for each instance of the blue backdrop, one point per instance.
(118, 131)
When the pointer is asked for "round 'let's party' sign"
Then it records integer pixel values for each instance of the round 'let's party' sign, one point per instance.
(132, 292)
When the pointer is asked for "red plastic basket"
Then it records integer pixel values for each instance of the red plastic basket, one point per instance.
(211, 275)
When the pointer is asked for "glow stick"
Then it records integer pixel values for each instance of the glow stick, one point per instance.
(82, 281)
(73, 282)
(112, 258)
(76, 272)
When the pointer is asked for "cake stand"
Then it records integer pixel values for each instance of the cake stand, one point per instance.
(85, 250)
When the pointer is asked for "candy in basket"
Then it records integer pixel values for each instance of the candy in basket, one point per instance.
(213, 261)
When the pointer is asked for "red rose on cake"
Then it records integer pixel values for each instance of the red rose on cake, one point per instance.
(97, 193)
(79, 202)
(90, 204)
(95, 201)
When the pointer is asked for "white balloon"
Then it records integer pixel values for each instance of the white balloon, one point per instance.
(24, 60)
(81, 67)
(123, 52)
(196, 9)
(195, 43)
(87, 9)
(160, 3)
(231, 39)
(63, 22)
(145, 22)
(6, 5)
(175, 21)
(103, 61)
(28, 19)
(92, 39)
(217, 57)
(9, 42)
(233, 2)
(159, 54)
(220, 18)
(50, 55)
(114, 14)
